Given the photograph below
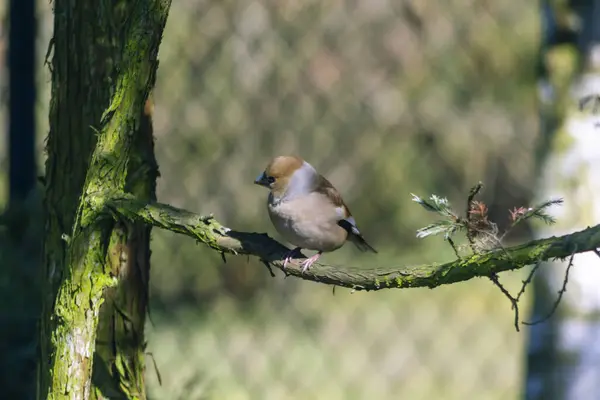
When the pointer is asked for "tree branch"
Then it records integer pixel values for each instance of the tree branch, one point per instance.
(207, 230)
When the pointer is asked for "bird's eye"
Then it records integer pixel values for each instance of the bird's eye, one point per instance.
(270, 179)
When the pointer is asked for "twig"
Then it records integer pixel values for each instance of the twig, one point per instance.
(560, 294)
(472, 193)
(266, 264)
(513, 301)
(156, 370)
(451, 243)
(528, 280)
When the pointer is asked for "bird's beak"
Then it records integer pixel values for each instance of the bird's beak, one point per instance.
(262, 180)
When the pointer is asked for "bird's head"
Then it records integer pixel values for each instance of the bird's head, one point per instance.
(286, 175)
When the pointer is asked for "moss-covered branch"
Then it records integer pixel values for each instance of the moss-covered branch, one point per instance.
(210, 232)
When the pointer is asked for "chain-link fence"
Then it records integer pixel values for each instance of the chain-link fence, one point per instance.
(385, 98)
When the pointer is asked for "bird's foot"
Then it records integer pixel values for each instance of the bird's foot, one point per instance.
(309, 262)
(289, 256)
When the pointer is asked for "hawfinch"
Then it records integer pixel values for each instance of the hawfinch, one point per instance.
(307, 210)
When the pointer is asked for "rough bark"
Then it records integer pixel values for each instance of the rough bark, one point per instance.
(103, 68)
(118, 371)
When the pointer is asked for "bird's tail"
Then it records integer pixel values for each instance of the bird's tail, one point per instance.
(355, 236)
(361, 243)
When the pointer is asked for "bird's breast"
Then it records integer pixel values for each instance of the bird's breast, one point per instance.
(308, 222)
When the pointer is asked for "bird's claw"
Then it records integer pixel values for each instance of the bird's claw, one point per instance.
(289, 256)
(286, 261)
(306, 264)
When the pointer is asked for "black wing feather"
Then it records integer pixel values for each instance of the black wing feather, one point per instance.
(355, 236)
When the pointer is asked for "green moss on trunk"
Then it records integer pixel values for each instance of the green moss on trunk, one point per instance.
(103, 68)
(119, 358)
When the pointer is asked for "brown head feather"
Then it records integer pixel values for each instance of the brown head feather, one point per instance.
(282, 168)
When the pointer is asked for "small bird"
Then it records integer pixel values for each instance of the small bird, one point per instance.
(307, 210)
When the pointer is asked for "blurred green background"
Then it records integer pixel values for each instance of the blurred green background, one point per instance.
(385, 98)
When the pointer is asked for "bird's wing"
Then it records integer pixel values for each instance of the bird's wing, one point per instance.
(346, 220)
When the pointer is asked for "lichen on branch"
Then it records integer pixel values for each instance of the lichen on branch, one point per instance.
(209, 231)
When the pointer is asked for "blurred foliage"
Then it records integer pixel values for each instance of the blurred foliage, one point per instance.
(385, 98)
(382, 98)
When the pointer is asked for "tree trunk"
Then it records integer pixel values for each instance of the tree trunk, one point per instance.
(564, 351)
(100, 140)
(119, 358)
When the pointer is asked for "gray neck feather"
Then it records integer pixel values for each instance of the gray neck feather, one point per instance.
(303, 182)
